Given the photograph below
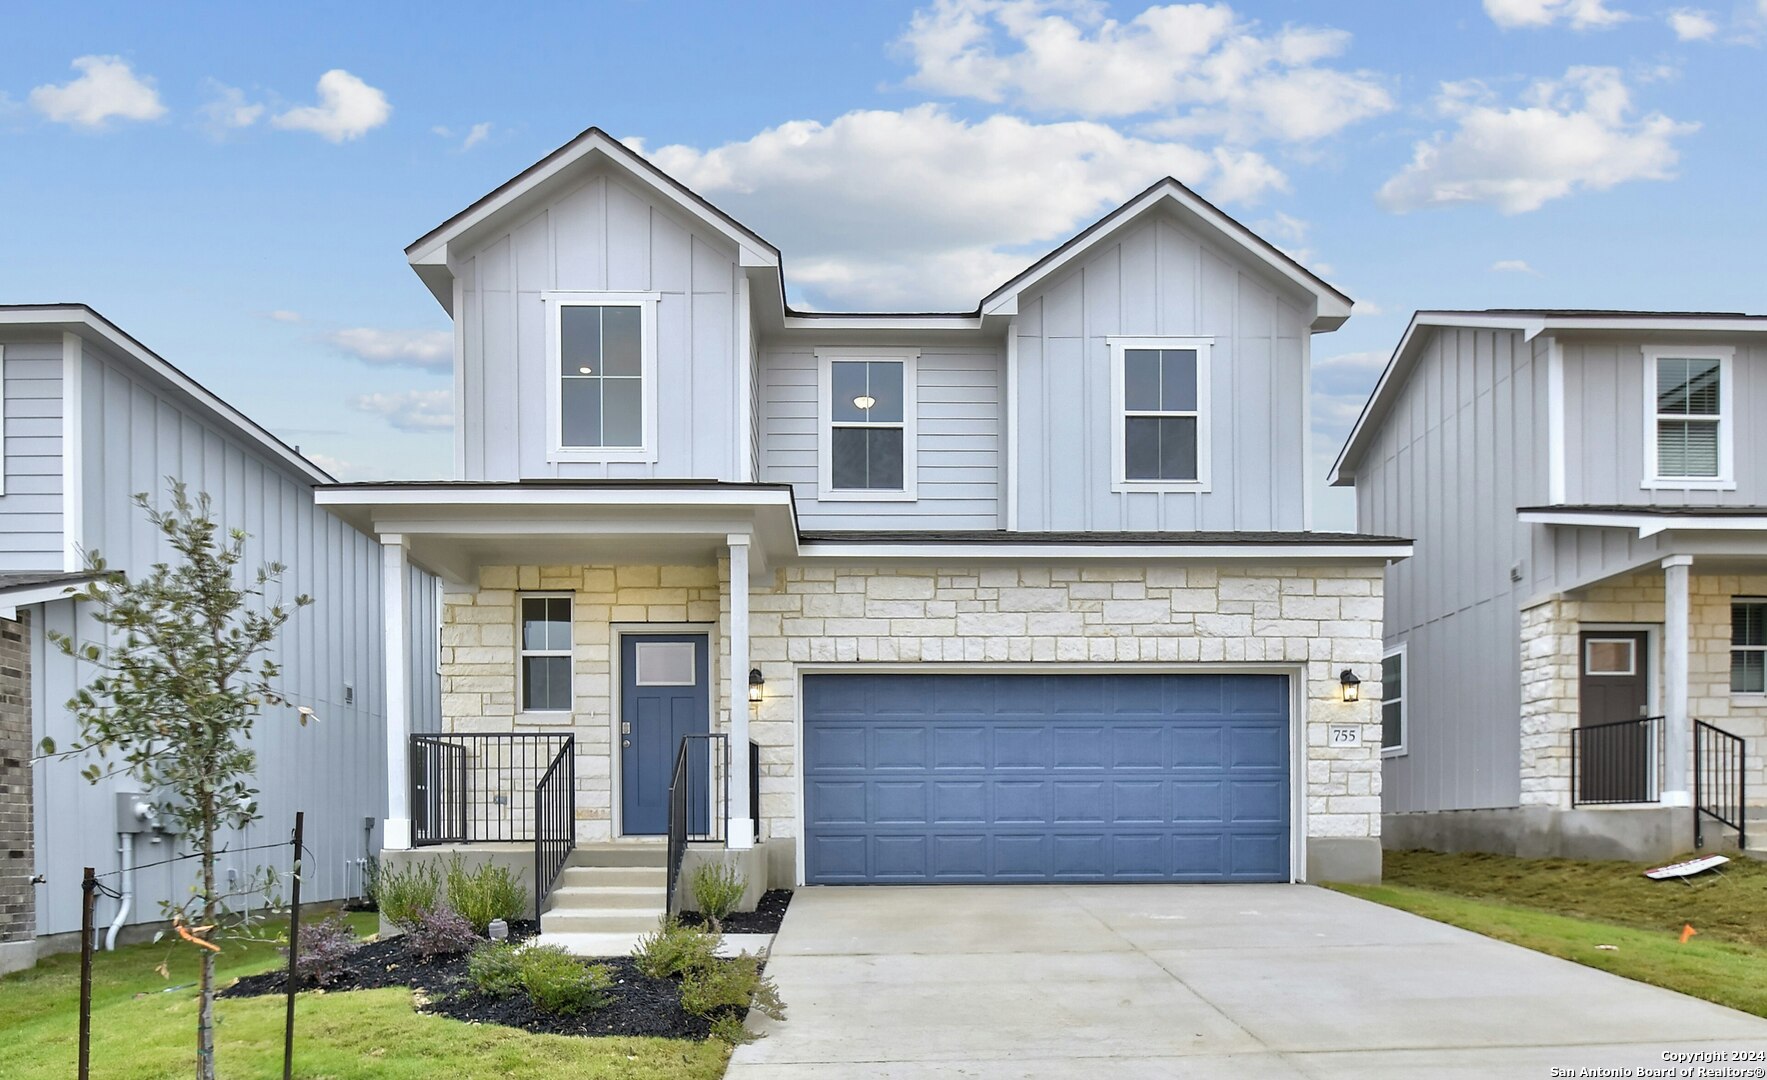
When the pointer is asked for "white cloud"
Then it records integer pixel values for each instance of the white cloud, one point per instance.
(1691, 24)
(429, 349)
(918, 208)
(1192, 67)
(478, 134)
(107, 89)
(348, 109)
(228, 110)
(1341, 384)
(412, 410)
(1569, 134)
(1513, 266)
(283, 315)
(1580, 14)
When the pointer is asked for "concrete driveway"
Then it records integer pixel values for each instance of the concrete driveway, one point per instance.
(1170, 981)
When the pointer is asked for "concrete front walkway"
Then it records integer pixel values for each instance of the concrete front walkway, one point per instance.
(1168, 981)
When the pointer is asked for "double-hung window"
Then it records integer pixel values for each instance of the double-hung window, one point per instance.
(1688, 436)
(602, 386)
(867, 420)
(1748, 645)
(1160, 413)
(1392, 702)
(545, 663)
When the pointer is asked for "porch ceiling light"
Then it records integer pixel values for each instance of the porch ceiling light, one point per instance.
(1352, 686)
(756, 682)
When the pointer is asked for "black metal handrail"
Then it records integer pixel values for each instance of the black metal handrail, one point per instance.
(555, 821)
(1618, 762)
(471, 787)
(1720, 782)
(754, 790)
(699, 798)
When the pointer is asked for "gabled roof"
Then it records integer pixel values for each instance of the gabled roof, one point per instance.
(87, 322)
(428, 254)
(1532, 322)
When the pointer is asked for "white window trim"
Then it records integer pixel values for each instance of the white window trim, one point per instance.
(910, 361)
(1631, 650)
(1752, 696)
(556, 301)
(1726, 478)
(1204, 347)
(1403, 652)
(521, 650)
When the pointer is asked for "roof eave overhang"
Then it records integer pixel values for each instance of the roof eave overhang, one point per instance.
(1104, 552)
(1645, 524)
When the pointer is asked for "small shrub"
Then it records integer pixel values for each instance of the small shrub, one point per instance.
(441, 931)
(674, 950)
(371, 883)
(323, 950)
(558, 982)
(405, 892)
(717, 889)
(487, 893)
(495, 968)
(731, 984)
(730, 1031)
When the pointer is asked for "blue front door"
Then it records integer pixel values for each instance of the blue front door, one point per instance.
(665, 694)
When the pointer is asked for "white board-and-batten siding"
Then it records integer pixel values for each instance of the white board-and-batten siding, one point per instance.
(602, 235)
(135, 432)
(31, 505)
(959, 443)
(1160, 279)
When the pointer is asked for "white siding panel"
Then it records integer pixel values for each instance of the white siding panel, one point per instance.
(30, 509)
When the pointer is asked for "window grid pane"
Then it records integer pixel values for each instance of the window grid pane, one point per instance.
(1392, 724)
(601, 364)
(1160, 448)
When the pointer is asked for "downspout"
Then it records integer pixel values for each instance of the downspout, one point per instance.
(126, 859)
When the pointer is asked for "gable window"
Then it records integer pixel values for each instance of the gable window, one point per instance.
(867, 419)
(1688, 440)
(1160, 402)
(545, 673)
(1748, 645)
(1392, 702)
(602, 386)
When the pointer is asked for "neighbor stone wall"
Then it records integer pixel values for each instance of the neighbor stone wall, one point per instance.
(18, 918)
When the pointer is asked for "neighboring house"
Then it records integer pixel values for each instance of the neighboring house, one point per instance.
(1578, 646)
(1022, 593)
(92, 417)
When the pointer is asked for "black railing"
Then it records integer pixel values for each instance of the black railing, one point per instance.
(699, 794)
(1619, 762)
(1719, 782)
(469, 788)
(754, 790)
(555, 822)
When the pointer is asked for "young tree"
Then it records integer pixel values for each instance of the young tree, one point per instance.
(183, 670)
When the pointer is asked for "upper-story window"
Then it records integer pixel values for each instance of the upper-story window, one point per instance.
(1160, 413)
(1688, 437)
(602, 391)
(866, 420)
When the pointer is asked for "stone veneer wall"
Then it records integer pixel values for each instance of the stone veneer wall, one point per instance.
(1550, 669)
(18, 920)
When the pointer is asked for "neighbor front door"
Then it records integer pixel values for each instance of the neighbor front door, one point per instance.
(1615, 759)
(665, 694)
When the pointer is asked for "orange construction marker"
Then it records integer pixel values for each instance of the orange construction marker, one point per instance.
(1687, 931)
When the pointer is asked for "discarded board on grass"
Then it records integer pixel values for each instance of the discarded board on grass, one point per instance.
(1687, 869)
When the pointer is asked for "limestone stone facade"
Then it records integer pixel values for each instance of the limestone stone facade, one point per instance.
(1310, 621)
(1550, 670)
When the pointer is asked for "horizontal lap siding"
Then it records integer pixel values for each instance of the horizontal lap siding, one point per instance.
(958, 452)
(30, 509)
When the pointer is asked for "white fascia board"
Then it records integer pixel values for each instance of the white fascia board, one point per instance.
(530, 496)
(1647, 524)
(41, 594)
(890, 322)
(1031, 552)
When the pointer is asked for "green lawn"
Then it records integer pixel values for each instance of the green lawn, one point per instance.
(1568, 908)
(142, 1033)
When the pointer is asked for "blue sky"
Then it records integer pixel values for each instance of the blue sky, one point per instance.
(234, 186)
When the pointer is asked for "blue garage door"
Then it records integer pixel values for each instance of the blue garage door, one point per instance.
(916, 779)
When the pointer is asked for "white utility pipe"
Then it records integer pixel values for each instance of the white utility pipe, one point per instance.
(126, 856)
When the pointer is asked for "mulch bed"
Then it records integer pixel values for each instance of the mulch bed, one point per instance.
(641, 1005)
(764, 919)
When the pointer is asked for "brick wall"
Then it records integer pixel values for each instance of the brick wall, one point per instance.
(18, 919)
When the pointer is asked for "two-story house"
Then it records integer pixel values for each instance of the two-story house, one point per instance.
(1023, 593)
(1575, 658)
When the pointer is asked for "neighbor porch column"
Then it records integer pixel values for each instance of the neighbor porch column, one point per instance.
(740, 831)
(1677, 726)
(393, 581)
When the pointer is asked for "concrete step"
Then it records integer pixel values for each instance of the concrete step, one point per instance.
(578, 920)
(630, 854)
(607, 896)
(630, 877)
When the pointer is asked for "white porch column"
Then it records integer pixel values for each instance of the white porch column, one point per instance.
(1678, 727)
(393, 579)
(740, 832)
